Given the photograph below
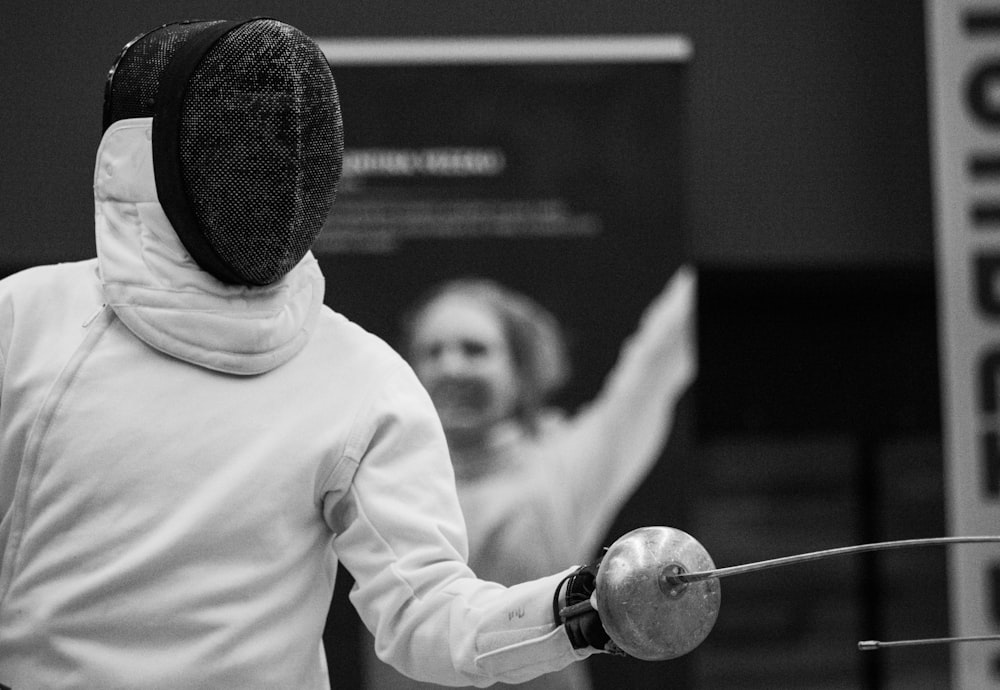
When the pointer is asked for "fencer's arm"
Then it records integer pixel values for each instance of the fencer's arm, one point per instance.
(655, 365)
(613, 442)
(401, 534)
(6, 327)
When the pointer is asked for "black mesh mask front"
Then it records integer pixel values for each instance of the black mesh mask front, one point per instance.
(247, 139)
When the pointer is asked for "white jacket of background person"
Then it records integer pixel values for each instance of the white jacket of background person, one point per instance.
(183, 462)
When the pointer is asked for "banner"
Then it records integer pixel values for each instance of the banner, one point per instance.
(551, 164)
(964, 71)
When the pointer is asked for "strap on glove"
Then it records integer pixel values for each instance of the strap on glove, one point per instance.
(582, 621)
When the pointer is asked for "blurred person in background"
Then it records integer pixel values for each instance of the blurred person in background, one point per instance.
(539, 488)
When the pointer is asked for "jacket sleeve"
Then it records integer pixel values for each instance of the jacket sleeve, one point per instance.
(610, 446)
(401, 534)
(6, 328)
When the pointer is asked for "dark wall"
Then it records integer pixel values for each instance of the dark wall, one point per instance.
(807, 120)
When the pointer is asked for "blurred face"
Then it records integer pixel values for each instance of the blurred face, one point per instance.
(461, 356)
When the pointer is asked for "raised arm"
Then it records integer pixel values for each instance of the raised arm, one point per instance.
(612, 444)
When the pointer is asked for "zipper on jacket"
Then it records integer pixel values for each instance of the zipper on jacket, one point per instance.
(97, 313)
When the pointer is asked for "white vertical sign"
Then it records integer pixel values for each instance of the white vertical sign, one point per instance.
(964, 71)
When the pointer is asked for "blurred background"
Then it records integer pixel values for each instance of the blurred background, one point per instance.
(816, 419)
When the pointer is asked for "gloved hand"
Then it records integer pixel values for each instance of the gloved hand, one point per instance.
(579, 615)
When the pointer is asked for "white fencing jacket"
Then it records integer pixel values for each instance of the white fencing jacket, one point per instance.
(183, 463)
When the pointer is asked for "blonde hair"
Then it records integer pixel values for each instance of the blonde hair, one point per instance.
(533, 334)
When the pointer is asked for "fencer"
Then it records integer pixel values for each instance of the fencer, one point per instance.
(540, 486)
(190, 441)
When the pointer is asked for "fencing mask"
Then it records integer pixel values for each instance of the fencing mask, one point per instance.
(247, 139)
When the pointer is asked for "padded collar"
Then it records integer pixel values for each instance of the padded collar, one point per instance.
(160, 293)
